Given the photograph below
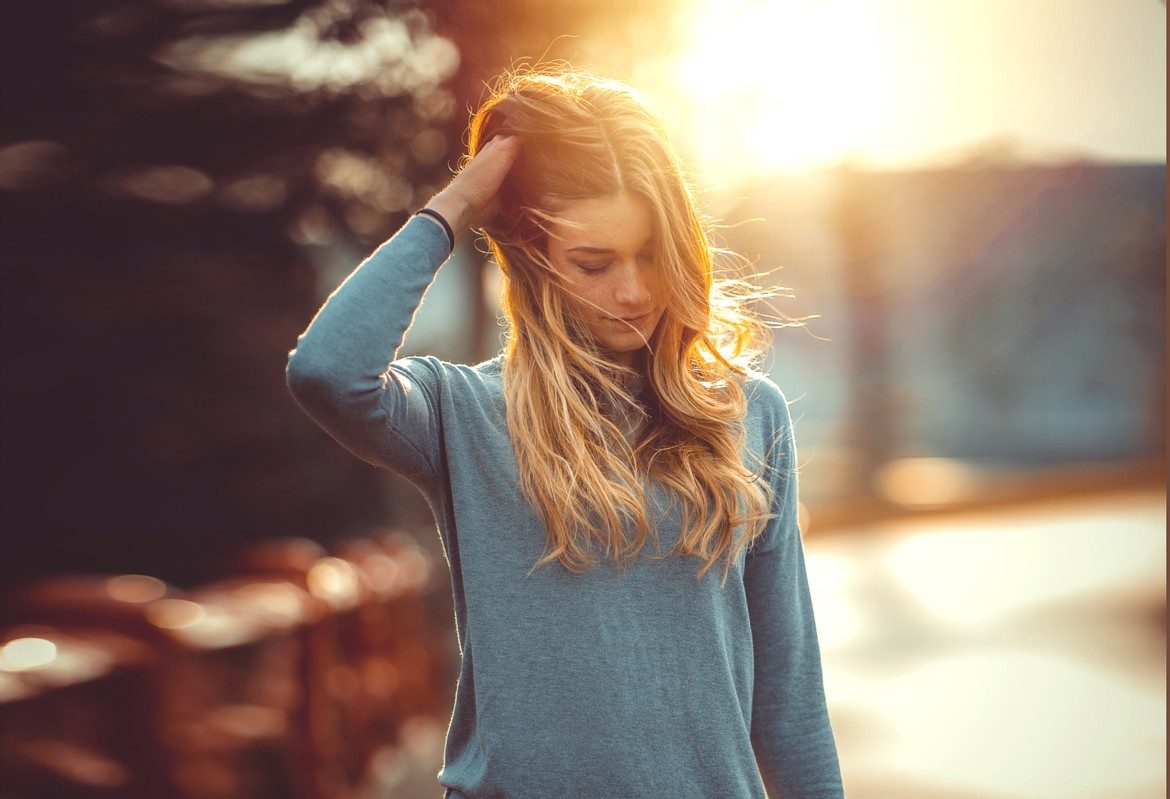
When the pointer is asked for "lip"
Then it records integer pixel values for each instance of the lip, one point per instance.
(632, 320)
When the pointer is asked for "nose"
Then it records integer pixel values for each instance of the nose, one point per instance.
(632, 285)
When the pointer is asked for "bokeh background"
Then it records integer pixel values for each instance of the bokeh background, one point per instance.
(966, 200)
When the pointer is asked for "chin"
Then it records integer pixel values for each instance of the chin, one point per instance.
(632, 343)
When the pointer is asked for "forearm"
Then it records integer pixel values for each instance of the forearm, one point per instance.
(338, 371)
(362, 324)
(791, 733)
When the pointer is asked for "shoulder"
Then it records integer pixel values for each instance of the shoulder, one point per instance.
(764, 399)
(768, 432)
(493, 367)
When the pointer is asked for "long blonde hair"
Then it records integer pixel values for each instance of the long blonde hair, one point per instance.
(587, 137)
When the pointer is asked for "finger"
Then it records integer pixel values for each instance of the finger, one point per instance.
(500, 140)
(509, 146)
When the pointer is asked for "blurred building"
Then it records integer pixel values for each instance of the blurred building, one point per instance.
(1010, 316)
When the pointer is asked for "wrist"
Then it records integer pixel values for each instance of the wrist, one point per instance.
(452, 208)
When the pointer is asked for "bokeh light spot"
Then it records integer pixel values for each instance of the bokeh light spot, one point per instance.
(27, 653)
(34, 164)
(135, 588)
(333, 580)
(174, 614)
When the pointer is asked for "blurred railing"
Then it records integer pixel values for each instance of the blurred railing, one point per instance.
(296, 673)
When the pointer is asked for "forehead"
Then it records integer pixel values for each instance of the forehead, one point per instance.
(620, 223)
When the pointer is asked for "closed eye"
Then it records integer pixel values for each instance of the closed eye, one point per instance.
(592, 267)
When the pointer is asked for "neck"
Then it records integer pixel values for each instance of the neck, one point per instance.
(635, 360)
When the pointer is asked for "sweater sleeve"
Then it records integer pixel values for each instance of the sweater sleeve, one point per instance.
(790, 729)
(343, 371)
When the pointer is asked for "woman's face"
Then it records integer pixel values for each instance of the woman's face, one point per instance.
(604, 254)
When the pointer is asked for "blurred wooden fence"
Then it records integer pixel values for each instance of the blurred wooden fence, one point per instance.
(298, 674)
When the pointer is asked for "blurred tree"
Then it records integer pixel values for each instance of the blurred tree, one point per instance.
(170, 174)
(864, 259)
(182, 181)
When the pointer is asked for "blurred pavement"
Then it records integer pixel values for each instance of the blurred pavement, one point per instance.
(1005, 654)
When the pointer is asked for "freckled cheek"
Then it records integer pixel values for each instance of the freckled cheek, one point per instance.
(658, 290)
(600, 291)
(583, 300)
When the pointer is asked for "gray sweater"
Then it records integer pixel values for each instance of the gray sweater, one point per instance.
(637, 683)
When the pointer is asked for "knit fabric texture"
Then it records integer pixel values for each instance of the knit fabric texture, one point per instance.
(642, 682)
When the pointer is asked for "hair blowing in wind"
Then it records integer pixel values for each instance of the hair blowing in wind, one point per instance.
(584, 467)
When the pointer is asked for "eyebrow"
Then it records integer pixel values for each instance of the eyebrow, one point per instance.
(603, 250)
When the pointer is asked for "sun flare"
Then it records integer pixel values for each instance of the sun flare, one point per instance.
(800, 84)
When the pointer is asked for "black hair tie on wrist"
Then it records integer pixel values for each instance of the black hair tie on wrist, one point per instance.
(446, 227)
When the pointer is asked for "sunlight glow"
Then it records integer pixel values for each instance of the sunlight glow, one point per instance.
(806, 79)
(1033, 564)
(1074, 730)
(792, 86)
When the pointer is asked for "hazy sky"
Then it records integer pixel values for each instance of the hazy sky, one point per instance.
(793, 84)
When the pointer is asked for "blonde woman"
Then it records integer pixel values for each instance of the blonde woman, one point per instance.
(615, 492)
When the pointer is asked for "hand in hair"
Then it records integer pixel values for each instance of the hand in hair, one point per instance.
(470, 199)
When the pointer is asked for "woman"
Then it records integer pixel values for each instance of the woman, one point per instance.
(615, 493)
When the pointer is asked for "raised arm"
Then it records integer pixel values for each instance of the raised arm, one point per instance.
(343, 371)
(791, 735)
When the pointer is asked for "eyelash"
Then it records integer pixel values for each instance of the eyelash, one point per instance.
(599, 266)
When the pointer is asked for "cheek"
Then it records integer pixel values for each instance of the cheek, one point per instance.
(585, 295)
(659, 289)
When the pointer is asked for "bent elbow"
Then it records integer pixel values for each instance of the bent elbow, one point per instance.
(307, 379)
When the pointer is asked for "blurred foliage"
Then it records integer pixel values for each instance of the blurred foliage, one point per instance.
(179, 181)
(161, 207)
